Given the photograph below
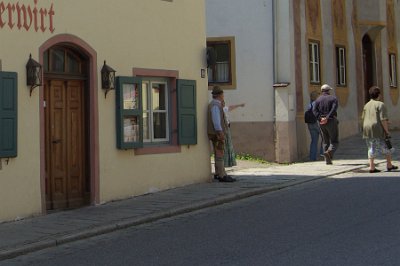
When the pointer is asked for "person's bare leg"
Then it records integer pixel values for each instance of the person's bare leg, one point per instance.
(389, 161)
(389, 165)
(371, 164)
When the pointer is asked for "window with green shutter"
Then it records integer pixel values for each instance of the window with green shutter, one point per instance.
(144, 111)
(187, 117)
(8, 114)
(129, 114)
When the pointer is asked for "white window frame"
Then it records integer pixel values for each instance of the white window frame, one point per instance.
(341, 65)
(392, 70)
(314, 60)
(147, 83)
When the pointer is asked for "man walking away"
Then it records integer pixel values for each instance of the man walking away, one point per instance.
(325, 110)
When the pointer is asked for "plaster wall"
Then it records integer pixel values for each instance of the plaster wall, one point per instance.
(347, 112)
(371, 10)
(254, 54)
(252, 126)
(128, 35)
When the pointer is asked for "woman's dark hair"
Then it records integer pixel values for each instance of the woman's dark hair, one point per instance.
(374, 92)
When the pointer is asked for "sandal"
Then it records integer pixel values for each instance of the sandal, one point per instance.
(374, 171)
(393, 167)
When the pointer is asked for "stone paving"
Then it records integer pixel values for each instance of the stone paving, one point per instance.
(24, 236)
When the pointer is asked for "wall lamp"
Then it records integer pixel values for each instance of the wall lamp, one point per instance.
(107, 78)
(33, 74)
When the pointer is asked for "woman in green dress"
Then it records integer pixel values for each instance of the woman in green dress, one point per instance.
(229, 153)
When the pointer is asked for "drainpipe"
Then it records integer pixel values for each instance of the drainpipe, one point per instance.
(277, 83)
(274, 73)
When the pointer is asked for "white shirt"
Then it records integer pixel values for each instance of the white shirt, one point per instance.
(216, 115)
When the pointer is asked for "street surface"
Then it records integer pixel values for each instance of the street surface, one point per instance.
(350, 219)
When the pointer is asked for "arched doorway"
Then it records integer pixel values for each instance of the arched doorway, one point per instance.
(66, 138)
(368, 66)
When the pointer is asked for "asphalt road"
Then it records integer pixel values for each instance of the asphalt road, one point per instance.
(351, 219)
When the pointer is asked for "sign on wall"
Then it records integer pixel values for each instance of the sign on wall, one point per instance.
(29, 17)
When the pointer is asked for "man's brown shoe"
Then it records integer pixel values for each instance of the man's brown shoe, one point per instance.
(227, 178)
(328, 157)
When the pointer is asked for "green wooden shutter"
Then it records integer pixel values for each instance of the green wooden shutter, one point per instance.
(129, 113)
(8, 114)
(187, 117)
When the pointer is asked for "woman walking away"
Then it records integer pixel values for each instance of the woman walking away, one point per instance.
(313, 128)
(376, 130)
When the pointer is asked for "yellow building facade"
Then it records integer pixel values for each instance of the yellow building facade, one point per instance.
(68, 138)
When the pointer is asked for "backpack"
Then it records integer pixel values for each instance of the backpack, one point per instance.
(309, 116)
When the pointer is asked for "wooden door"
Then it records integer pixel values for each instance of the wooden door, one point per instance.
(368, 66)
(65, 143)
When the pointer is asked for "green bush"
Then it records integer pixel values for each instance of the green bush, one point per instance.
(248, 157)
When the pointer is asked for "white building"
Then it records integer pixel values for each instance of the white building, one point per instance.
(272, 53)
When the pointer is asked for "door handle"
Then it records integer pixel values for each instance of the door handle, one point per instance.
(56, 141)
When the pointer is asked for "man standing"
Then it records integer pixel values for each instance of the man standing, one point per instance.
(325, 110)
(216, 129)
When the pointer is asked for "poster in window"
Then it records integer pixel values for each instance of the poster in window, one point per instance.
(131, 129)
(130, 94)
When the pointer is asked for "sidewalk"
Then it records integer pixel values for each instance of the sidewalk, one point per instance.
(21, 237)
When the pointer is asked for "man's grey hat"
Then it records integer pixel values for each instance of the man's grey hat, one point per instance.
(326, 87)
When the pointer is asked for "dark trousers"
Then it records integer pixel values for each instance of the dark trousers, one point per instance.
(330, 136)
(315, 149)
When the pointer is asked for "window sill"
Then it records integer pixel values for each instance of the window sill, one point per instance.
(158, 150)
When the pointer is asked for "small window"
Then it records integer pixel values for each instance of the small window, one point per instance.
(73, 64)
(155, 110)
(61, 60)
(340, 66)
(222, 73)
(314, 59)
(393, 70)
(57, 57)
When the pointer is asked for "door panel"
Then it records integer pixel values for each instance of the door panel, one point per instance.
(65, 144)
(58, 168)
(75, 139)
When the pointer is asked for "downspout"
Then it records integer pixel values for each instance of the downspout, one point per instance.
(274, 75)
(277, 83)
